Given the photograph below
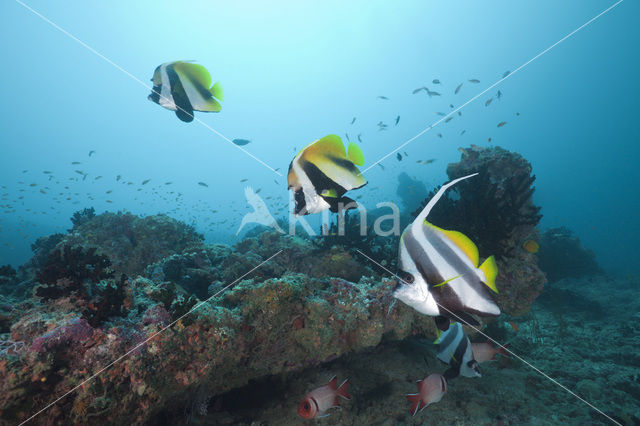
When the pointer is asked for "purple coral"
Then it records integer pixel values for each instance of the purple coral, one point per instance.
(76, 330)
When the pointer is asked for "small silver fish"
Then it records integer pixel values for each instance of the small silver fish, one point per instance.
(458, 89)
(488, 102)
(436, 81)
(474, 80)
(502, 123)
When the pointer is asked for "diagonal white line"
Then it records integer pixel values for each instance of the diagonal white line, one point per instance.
(100, 55)
(503, 347)
(93, 376)
(431, 126)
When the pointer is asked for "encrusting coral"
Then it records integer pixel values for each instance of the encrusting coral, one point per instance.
(300, 309)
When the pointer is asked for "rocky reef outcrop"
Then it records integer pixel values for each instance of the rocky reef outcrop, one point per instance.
(118, 285)
(562, 255)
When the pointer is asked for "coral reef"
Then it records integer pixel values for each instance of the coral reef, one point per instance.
(132, 242)
(83, 216)
(410, 191)
(562, 255)
(302, 308)
(347, 234)
(495, 209)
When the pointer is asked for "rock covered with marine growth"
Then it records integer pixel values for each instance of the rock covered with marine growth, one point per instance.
(115, 280)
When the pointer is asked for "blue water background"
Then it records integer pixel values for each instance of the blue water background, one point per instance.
(295, 71)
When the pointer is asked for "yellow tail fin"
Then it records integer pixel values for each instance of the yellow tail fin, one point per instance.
(490, 270)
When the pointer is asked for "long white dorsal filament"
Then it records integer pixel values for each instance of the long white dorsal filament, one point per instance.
(417, 224)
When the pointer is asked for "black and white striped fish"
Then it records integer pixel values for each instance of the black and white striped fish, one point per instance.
(185, 87)
(322, 172)
(439, 272)
(454, 349)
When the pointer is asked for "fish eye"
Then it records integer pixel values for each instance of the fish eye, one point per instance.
(306, 406)
(407, 277)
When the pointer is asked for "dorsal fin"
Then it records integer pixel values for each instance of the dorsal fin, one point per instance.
(333, 383)
(462, 242)
(432, 202)
(195, 72)
(329, 145)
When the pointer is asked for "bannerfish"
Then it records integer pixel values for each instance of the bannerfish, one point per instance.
(397, 120)
(322, 172)
(502, 123)
(455, 350)
(458, 89)
(317, 402)
(439, 274)
(430, 390)
(185, 87)
(483, 352)
(399, 156)
(474, 80)
(241, 142)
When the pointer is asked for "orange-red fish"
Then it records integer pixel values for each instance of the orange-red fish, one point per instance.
(483, 352)
(317, 402)
(430, 391)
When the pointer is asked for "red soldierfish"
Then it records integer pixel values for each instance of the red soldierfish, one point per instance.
(317, 402)
(430, 390)
(486, 352)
